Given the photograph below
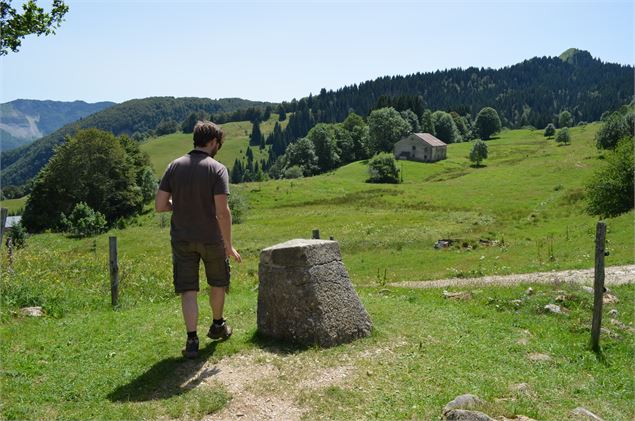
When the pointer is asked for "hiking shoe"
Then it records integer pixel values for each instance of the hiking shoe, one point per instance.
(191, 348)
(219, 331)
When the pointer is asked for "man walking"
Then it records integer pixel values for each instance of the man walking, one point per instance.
(200, 229)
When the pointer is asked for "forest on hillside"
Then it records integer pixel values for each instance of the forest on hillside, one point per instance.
(531, 93)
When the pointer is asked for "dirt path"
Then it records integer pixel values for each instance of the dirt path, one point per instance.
(614, 275)
(266, 385)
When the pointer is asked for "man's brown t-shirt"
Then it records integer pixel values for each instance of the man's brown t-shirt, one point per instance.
(193, 180)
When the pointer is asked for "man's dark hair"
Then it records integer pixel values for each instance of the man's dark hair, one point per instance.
(206, 131)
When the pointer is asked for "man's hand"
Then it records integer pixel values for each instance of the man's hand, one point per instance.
(231, 252)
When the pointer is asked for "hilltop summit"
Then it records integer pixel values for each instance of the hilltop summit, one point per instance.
(575, 56)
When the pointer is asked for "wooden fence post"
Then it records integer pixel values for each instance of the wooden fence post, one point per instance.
(598, 285)
(114, 272)
(3, 220)
(316, 234)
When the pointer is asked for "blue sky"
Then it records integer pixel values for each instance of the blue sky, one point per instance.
(274, 51)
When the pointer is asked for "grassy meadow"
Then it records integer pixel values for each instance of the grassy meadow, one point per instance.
(85, 361)
(15, 206)
(164, 149)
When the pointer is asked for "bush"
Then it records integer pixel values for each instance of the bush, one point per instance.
(563, 136)
(293, 172)
(478, 152)
(383, 169)
(238, 206)
(550, 130)
(83, 221)
(614, 128)
(17, 236)
(610, 193)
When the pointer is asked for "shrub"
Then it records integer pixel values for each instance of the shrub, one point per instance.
(550, 130)
(478, 152)
(614, 128)
(238, 206)
(83, 221)
(17, 235)
(293, 172)
(563, 136)
(610, 193)
(383, 169)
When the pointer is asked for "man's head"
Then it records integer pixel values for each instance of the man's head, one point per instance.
(205, 132)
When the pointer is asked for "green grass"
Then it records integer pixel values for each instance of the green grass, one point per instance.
(125, 364)
(15, 206)
(83, 360)
(164, 149)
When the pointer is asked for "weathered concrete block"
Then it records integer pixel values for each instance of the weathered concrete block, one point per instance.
(306, 297)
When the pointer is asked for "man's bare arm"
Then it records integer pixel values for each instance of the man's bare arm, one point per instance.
(224, 217)
(162, 202)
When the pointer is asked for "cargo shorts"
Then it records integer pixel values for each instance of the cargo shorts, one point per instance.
(186, 257)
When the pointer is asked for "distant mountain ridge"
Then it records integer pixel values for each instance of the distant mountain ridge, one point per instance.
(25, 120)
(134, 116)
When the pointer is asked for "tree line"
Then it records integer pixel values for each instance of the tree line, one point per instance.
(327, 146)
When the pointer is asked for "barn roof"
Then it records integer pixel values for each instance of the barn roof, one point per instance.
(429, 139)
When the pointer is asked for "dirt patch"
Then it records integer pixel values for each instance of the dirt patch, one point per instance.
(266, 386)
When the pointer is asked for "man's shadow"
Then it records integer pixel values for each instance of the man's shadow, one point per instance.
(167, 378)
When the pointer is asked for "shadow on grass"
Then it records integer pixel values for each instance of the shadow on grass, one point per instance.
(167, 378)
(276, 346)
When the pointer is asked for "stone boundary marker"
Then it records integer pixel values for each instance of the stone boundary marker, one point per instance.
(306, 297)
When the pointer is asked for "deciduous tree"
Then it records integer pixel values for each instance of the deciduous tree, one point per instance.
(487, 123)
(14, 26)
(91, 167)
(385, 128)
(565, 119)
(610, 192)
(478, 152)
(445, 128)
(563, 136)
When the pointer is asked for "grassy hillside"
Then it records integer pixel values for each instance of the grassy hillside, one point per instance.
(130, 117)
(15, 206)
(164, 149)
(425, 350)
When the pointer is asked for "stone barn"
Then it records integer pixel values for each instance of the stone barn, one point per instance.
(421, 147)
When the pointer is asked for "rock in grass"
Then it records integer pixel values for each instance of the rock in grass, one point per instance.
(467, 401)
(622, 325)
(516, 418)
(588, 289)
(553, 308)
(32, 311)
(306, 297)
(520, 388)
(581, 413)
(610, 298)
(465, 415)
(613, 312)
(530, 291)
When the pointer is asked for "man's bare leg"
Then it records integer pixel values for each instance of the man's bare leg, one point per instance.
(189, 306)
(217, 301)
